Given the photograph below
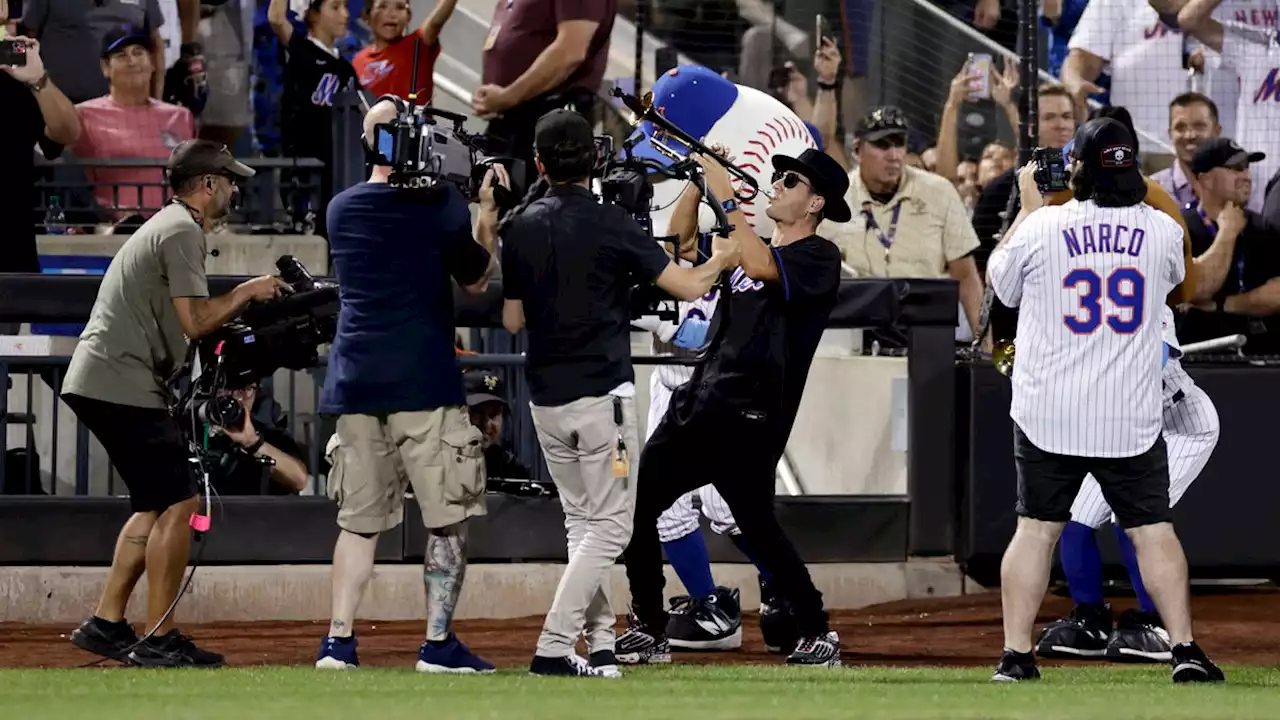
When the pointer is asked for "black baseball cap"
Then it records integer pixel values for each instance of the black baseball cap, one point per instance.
(483, 385)
(1109, 156)
(120, 37)
(193, 158)
(563, 133)
(882, 123)
(1222, 152)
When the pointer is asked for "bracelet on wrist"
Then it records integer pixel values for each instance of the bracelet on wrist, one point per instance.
(40, 84)
(256, 446)
(827, 86)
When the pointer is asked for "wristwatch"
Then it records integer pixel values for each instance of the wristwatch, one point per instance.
(40, 84)
(729, 206)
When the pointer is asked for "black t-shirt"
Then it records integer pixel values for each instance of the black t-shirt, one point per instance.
(240, 474)
(312, 77)
(1256, 260)
(573, 262)
(765, 335)
(23, 129)
(986, 213)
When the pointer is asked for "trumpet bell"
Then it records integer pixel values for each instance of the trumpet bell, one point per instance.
(1002, 357)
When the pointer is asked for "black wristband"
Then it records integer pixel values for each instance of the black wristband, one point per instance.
(190, 49)
(254, 448)
(827, 86)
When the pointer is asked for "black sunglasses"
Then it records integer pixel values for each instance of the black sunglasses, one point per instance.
(789, 179)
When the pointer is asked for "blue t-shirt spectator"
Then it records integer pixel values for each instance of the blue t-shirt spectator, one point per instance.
(393, 258)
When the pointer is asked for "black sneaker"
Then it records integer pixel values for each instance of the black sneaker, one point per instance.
(108, 639)
(1016, 667)
(821, 651)
(1082, 634)
(777, 623)
(706, 623)
(173, 649)
(1139, 637)
(606, 662)
(567, 666)
(642, 645)
(1190, 664)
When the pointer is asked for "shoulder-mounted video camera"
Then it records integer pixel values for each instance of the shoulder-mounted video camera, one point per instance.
(1050, 170)
(425, 146)
(286, 332)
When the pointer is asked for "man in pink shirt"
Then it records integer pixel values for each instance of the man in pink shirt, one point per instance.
(128, 123)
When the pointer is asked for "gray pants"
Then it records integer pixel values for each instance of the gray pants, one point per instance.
(578, 441)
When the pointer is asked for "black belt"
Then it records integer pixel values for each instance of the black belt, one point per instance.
(1177, 397)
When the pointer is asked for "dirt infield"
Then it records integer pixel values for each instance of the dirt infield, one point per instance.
(1239, 628)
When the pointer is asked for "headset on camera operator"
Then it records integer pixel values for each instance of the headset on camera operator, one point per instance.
(153, 297)
(569, 265)
(393, 378)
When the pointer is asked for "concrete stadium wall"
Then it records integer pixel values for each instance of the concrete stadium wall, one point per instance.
(65, 595)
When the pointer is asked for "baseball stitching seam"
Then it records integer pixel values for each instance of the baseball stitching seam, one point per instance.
(775, 137)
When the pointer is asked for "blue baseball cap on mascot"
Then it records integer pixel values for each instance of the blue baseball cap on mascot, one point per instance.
(692, 97)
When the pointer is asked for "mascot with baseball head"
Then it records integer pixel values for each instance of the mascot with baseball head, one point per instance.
(751, 127)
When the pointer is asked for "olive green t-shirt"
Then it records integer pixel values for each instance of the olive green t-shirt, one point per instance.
(133, 341)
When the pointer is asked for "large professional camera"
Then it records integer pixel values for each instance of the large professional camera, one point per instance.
(283, 333)
(424, 151)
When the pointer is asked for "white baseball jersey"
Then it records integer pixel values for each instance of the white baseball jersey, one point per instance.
(1089, 282)
(1143, 56)
(1190, 435)
(1254, 53)
(1219, 81)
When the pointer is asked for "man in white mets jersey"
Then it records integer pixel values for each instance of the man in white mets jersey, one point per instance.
(1089, 278)
(1254, 53)
(1190, 433)
(754, 127)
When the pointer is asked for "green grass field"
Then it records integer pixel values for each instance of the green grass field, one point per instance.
(649, 693)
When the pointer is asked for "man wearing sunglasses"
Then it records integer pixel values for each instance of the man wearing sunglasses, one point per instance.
(911, 223)
(153, 297)
(731, 421)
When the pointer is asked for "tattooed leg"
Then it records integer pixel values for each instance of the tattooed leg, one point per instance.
(352, 566)
(127, 566)
(442, 573)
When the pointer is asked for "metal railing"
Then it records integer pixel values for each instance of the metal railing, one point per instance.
(303, 423)
(275, 200)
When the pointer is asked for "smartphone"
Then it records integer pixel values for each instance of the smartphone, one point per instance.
(13, 53)
(980, 73)
(819, 30)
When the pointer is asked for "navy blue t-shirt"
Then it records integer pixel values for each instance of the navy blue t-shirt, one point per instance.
(394, 349)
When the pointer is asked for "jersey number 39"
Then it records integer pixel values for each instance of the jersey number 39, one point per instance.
(1124, 290)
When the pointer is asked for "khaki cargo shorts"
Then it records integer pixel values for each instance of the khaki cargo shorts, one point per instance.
(375, 459)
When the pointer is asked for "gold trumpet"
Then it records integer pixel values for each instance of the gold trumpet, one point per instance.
(642, 109)
(1002, 357)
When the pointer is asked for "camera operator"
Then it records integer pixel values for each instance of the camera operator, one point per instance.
(153, 294)
(36, 112)
(268, 460)
(730, 423)
(395, 385)
(568, 266)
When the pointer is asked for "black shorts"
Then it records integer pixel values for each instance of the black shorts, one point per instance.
(146, 447)
(1136, 488)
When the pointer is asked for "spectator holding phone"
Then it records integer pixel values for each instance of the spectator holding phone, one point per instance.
(386, 66)
(36, 113)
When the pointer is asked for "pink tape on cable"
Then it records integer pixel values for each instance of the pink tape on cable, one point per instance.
(200, 523)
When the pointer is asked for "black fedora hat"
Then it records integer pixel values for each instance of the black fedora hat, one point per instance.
(825, 176)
